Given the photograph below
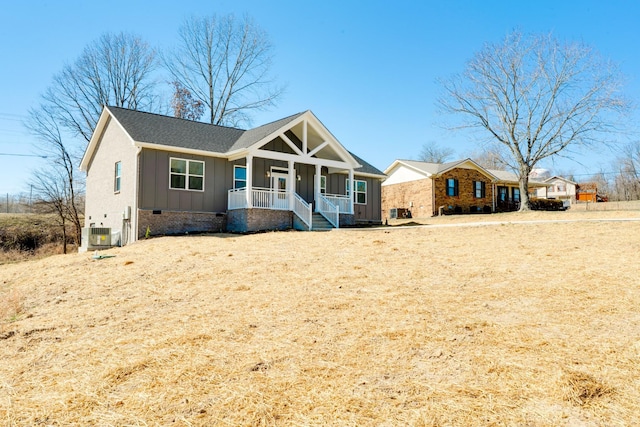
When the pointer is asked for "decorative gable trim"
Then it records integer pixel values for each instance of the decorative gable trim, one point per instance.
(303, 156)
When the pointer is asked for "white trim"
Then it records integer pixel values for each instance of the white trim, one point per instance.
(117, 178)
(234, 176)
(179, 150)
(105, 116)
(318, 148)
(273, 155)
(290, 143)
(348, 161)
(187, 174)
(352, 192)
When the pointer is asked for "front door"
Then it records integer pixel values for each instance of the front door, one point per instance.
(279, 199)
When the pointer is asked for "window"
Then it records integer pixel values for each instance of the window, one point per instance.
(516, 194)
(360, 193)
(117, 177)
(186, 174)
(239, 176)
(479, 189)
(323, 184)
(452, 187)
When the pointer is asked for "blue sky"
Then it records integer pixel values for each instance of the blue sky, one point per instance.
(367, 69)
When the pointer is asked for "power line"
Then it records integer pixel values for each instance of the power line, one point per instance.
(22, 155)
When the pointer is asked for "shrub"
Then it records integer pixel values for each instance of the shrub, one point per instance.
(546, 204)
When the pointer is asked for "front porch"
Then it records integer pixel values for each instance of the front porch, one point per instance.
(257, 209)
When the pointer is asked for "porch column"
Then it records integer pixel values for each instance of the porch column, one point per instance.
(291, 183)
(352, 191)
(316, 187)
(249, 187)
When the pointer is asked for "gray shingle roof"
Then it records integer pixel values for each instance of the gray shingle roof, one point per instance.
(180, 133)
(366, 167)
(175, 132)
(250, 137)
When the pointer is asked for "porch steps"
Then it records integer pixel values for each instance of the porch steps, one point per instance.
(320, 223)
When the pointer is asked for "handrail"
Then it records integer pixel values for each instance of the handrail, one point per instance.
(303, 210)
(342, 201)
(328, 210)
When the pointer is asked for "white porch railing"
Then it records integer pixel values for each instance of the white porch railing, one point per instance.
(303, 210)
(342, 202)
(261, 198)
(328, 210)
(237, 198)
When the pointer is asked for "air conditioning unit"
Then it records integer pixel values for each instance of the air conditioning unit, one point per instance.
(96, 237)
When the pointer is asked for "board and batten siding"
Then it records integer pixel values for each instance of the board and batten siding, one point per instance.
(154, 183)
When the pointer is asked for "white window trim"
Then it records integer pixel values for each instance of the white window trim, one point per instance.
(234, 176)
(323, 189)
(186, 175)
(355, 192)
(117, 183)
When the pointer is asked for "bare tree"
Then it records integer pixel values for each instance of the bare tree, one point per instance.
(225, 63)
(183, 104)
(628, 178)
(113, 70)
(57, 187)
(490, 158)
(536, 97)
(434, 153)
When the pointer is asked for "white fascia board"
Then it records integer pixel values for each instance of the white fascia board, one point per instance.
(399, 163)
(328, 136)
(180, 150)
(274, 155)
(95, 137)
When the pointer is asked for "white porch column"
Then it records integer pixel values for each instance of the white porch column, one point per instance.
(352, 190)
(249, 187)
(291, 184)
(316, 187)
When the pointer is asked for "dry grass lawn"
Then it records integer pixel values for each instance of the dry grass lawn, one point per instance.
(532, 324)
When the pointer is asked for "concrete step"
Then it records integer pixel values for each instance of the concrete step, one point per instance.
(320, 223)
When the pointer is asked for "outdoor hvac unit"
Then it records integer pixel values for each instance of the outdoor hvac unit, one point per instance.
(97, 237)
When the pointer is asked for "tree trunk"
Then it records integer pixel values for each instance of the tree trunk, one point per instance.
(525, 206)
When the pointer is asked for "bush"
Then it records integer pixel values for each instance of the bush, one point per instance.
(546, 205)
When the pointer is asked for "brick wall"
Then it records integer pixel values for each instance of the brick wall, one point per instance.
(250, 220)
(465, 200)
(413, 195)
(172, 222)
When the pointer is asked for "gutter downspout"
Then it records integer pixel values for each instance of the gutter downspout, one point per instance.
(134, 215)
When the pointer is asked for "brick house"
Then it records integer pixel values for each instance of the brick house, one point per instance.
(173, 176)
(422, 189)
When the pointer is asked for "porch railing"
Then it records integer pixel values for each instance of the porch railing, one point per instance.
(261, 198)
(328, 210)
(342, 202)
(303, 210)
(237, 198)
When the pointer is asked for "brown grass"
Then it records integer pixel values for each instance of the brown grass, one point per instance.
(504, 324)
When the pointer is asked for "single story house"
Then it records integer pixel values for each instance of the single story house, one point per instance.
(154, 174)
(422, 189)
(558, 188)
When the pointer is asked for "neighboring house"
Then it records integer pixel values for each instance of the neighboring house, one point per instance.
(588, 192)
(163, 175)
(558, 188)
(422, 189)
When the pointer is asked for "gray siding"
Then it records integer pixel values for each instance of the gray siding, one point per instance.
(156, 194)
